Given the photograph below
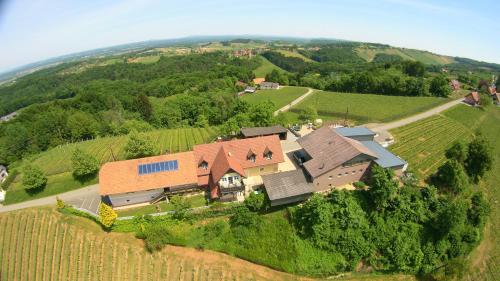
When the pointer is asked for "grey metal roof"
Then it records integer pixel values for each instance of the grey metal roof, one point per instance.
(262, 131)
(385, 158)
(355, 131)
(286, 184)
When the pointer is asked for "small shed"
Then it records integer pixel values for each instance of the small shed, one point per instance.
(253, 132)
(287, 187)
(472, 98)
(269, 86)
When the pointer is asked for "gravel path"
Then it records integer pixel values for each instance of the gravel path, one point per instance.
(294, 102)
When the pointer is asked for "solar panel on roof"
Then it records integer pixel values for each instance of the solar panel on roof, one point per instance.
(157, 167)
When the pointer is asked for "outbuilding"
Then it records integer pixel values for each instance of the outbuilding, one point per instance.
(253, 132)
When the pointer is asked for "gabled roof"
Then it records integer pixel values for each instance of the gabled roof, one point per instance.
(123, 176)
(262, 131)
(385, 158)
(328, 150)
(239, 150)
(286, 184)
(223, 163)
(354, 131)
(474, 96)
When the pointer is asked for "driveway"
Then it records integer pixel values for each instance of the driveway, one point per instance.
(79, 198)
(294, 102)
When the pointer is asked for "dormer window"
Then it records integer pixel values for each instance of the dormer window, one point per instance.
(251, 156)
(203, 165)
(268, 154)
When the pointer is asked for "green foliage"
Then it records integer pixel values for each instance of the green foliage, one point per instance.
(180, 207)
(359, 184)
(144, 107)
(255, 202)
(107, 216)
(244, 217)
(308, 114)
(277, 77)
(60, 203)
(10, 178)
(479, 158)
(383, 187)
(451, 176)
(485, 99)
(458, 152)
(414, 68)
(84, 164)
(440, 86)
(33, 178)
(479, 210)
(138, 146)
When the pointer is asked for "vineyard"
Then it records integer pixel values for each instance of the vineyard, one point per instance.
(423, 143)
(56, 162)
(42, 244)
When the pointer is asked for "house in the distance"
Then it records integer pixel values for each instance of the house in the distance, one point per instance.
(253, 132)
(269, 86)
(250, 90)
(3, 173)
(257, 81)
(455, 85)
(496, 98)
(472, 98)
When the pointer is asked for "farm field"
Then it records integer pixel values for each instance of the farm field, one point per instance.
(265, 68)
(279, 97)
(77, 249)
(366, 108)
(56, 162)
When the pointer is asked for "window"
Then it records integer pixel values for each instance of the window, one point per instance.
(268, 155)
(329, 177)
(224, 179)
(353, 172)
(346, 173)
(203, 165)
(251, 158)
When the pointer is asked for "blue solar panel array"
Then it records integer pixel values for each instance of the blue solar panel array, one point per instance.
(158, 167)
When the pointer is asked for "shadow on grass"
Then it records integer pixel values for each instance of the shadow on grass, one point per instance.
(86, 179)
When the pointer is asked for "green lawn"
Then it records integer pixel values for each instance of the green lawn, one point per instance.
(194, 201)
(56, 162)
(279, 97)
(265, 68)
(365, 108)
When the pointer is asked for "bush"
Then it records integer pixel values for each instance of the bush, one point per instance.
(33, 178)
(59, 203)
(255, 202)
(107, 216)
(138, 146)
(180, 207)
(84, 164)
(359, 184)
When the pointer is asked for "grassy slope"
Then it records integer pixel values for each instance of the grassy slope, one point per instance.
(194, 201)
(295, 55)
(365, 108)
(56, 162)
(485, 259)
(279, 97)
(265, 68)
(369, 54)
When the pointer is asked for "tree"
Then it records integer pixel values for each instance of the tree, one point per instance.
(440, 86)
(138, 146)
(82, 126)
(261, 114)
(458, 152)
(243, 217)
(414, 68)
(309, 114)
(255, 202)
(479, 210)
(84, 164)
(34, 178)
(383, 187)
(451, 176)
(485, 99)
(144, 107)
(479, 158)
(107, 216)
(201, 121)
(180, 207)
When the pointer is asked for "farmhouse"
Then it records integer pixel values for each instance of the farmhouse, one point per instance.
(257, 81)
(250, 89)
(253, 132)
(472, 98)
(269, 86)
(225, 169)
(335, 157)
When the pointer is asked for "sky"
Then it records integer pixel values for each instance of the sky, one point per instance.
(33, 30)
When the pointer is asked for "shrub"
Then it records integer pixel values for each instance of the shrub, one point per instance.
(359, 184)
(479, 158)
(84, 164)
(107, 216)
(34, 178)
(59, 203)
(138, 146)
(255, 202)
(180, 207)
(243, 217)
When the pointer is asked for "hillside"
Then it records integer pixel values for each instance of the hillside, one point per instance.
(369, 53)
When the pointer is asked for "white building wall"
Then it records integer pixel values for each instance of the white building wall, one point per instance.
(134, 197)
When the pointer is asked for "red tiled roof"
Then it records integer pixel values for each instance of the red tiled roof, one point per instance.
(223, 163)
(473, 96)
(239, 151)
(123, 176)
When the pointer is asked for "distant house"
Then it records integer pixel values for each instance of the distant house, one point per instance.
(455, 85)
(472, 98)
(253, 132)
(492, 89)
(257, 81)
(8, 117)
(3, 173)
(250, 90)
(496, 98)
(269, 86)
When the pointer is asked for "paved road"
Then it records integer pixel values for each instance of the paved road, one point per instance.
(294, 102)
(414, 118)
(70, 196)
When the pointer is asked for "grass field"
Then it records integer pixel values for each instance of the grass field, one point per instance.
(423, 144)
(369, 54)
(265, 68)
(56, 162)
(42, 244)
(295, 55)
(366, 108)
(279, 97)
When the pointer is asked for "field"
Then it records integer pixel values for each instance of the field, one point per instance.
(369, 53)
(77, 249)
(295, 55)
(56, 162)
(265, 68)
(431, 137)
(366, 108)
(279, 97)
